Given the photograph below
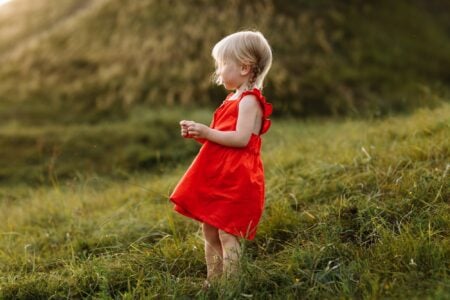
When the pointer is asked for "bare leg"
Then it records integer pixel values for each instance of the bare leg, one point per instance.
(231, 253)
(213, 251)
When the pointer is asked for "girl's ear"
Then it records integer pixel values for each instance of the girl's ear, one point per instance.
(245, 69)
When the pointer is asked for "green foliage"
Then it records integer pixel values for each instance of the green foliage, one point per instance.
(99, 59)
(354, 209)
(148, 141)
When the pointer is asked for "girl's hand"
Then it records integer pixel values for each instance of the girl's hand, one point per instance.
(184, 124)
(184, 128)
(194, 130)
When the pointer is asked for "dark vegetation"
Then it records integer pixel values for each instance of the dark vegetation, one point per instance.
(331, 58)
(82, 83)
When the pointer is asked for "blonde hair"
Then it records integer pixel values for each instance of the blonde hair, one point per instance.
(247, 48)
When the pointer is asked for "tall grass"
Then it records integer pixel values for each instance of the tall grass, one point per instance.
(354, 209)
(332, 58)
(22, 22)
(40, 152)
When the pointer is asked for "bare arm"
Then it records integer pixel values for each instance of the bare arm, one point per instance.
(249, 111)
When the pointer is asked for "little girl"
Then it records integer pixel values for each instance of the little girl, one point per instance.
(224, 186)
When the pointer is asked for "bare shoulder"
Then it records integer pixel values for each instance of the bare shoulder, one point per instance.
(250, 102)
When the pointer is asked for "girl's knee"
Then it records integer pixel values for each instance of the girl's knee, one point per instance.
(210, 231)
(226, 237)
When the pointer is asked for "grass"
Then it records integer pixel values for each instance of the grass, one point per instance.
(354, 209)
(41, 151)
(21, 22)
(99, 59)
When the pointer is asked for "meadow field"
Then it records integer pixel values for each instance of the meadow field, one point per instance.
(357, 161)
(354, 209)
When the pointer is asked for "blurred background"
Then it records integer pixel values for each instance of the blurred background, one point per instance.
(98, 86)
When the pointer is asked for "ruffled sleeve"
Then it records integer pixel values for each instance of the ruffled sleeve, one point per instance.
(266, 108)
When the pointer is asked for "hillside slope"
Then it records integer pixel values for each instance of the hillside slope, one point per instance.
(330, 58)
(354, 209)
(23, 23)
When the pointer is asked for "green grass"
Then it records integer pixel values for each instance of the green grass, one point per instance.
(354, 209)
(99, 59)
(45, 150)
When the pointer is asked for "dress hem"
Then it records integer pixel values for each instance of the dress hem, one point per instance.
(183, 211)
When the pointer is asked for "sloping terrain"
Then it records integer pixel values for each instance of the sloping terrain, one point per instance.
(330, 58)
(354, 209)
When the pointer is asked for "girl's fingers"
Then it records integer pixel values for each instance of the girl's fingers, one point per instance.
(194, 130)
(188, 129)
(186, 122)
(191, 131)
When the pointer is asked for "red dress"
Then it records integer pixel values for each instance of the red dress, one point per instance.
(224, 186)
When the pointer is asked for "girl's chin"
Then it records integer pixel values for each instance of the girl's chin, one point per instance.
(230, 87)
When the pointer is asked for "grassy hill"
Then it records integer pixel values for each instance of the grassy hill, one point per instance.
(82, 82)
(99, 59)
(91, 93)
(354, 209)
(147, 141)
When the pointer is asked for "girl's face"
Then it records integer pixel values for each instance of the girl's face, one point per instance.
(232, 74)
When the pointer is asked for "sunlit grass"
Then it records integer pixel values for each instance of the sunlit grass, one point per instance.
(2, 2)
(354, 209)
(123, 54)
